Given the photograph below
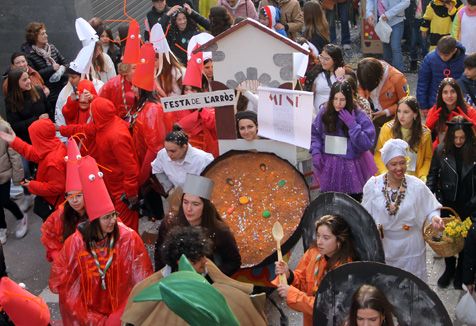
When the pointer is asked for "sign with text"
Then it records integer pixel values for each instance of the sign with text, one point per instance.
(199, 100)
(285, 115)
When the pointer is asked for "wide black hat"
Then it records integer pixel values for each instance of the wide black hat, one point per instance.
(413, 301)
(365, 236)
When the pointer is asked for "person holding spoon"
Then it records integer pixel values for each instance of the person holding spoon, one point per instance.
(333, 247)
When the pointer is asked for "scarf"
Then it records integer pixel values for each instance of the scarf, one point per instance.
(45, 53)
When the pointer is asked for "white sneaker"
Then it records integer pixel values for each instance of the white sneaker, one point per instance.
(22, 227)
(26, 203)
(3, 236)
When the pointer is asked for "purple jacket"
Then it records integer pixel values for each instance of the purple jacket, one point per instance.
(361, 136)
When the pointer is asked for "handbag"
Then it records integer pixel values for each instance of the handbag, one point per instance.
(42, 208)
(152, 184)
(327, 4)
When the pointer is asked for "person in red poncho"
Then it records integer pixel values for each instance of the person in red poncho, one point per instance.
(449, 104)
(63, 221)
(119, 90)
(49, 152)
(101, 262)
(76, 109)
(198, 124)
(114, 150)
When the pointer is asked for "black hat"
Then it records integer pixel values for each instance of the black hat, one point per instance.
(250, 115)
(414, 303)
(365, 237)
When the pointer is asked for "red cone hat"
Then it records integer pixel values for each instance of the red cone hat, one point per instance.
(193, 74)
(132, 49)
(96, 198)
(144, 75)
(72, 159)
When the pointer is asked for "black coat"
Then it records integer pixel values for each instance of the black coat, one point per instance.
(444, 181)
(469, 261)
(21, 120)
(178, 40)
(153, 17)
(39, 64)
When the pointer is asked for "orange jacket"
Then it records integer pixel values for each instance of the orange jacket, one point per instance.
(394, 88)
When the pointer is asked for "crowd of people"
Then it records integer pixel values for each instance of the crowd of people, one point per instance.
(93, 151)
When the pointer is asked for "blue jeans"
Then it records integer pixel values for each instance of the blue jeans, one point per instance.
(343, 10)
(417, 42)
(392, 52)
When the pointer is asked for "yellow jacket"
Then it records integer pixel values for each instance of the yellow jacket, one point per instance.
(424, 152)
(438, 20)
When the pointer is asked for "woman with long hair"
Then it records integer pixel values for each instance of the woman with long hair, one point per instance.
(24, 103)
(101, 262)
(109, 46)
(197, 210)
(102, 66)
(220, 20)
(183, 25)
(169, 80)
(369, 306)
(407, 125)
(45, 58)
(316, 28)
(451, 178)
(449, 103)
(341, 137)
(333, 247)
(331, 68)
(63, 221)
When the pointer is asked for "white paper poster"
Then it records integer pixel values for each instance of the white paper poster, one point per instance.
(285, 115)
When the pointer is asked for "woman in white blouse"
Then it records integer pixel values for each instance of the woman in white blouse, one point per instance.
(178, 158)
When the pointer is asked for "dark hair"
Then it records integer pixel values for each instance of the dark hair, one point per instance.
(335, 52)
(468, 150)
(330, 116)
(71, 218)
(471, 2)
(177, 136)
(315, 21)
(351, 78)
(211, 219)
(91, 230)
(370, 297)
(441, 104)
(15, 98)
(32, 31)
(446, 45)
(98, 60)
(416, 129)
(97, 23)
(16, 55)
(341, 230)
(195, 88)
(122, 31)
(238, 19)
(166, 76)
(191, 24)
(191, 241)
(369, 73)
(146, 96)
(250, 115)
(470, 61)
(220, 20)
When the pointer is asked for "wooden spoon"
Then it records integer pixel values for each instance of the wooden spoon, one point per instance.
(278, 235)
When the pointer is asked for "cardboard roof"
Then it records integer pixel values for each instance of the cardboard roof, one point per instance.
(257, 25)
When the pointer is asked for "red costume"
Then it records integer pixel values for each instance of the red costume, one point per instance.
(72, 112)
(114, 151)
(434, 115)
(52, 229)
(85, 297)
(200, 127)
(119, 91)
(49, 152)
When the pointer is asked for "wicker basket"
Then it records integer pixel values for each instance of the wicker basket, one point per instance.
(447, 246)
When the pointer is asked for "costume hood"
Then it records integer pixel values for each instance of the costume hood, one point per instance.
(43, 137)
(272, 14)
(103, 112)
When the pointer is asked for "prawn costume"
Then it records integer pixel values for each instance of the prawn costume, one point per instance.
(93, 286)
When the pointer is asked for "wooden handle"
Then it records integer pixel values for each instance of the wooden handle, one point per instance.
(281, 277)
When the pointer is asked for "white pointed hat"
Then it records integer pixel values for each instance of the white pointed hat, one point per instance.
(198, 186)
(85, 31)
(82, 62)
(199, 39)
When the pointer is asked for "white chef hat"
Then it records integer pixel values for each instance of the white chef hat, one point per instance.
(393, 148)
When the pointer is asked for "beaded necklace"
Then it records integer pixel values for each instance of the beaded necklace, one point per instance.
(102, 272)
(393, 201)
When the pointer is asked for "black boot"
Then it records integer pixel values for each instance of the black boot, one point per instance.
(458, 281)
(450, 268)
